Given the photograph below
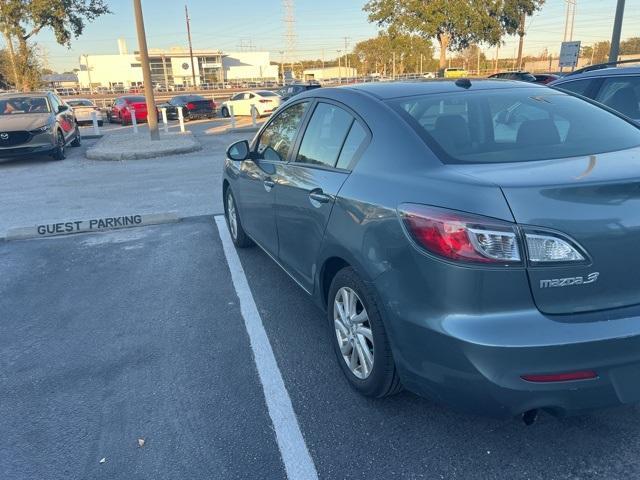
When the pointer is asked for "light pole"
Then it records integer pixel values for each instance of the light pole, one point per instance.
(152, 117)
(282, 65)
(86, 63)
(617, 28)
(339, 67)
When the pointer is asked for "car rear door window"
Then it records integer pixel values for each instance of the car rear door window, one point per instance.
(621, 94)
(325, 135)
(277, 138)
(355, 139)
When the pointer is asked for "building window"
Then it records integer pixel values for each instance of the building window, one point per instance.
(136, 65)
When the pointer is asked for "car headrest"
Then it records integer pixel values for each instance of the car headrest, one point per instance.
(538, 132)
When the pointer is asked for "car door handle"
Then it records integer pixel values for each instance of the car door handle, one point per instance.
(268, 184)
(319, 196)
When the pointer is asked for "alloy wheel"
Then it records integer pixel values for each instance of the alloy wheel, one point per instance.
(232, 216)
(353, 331)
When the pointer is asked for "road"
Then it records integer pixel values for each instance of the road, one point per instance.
(39, 190)
(111, 337)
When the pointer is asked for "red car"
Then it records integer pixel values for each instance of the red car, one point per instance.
(123, 106)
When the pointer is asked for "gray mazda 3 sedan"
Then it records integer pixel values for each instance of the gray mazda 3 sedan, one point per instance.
(473, 241)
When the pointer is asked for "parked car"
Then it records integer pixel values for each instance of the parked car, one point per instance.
(545, 78)
(265, 102)
(520, 76)
(289, 91)
(495, 273)
(36, 123)
(83, 109)
(122, 107)
(453, 72)
(615, 87)
(193, 107)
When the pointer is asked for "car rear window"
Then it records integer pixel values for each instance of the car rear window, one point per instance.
(80, 103)
(515, 125)
(135, 99)
(266, 93)
(193, 98)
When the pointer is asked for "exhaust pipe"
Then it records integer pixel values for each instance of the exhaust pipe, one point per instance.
(529, 417)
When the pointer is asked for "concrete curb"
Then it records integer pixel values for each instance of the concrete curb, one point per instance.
(92, 225)
(129, 147)
(90, 137)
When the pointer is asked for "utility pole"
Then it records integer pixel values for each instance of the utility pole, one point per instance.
(152, 116)
(346, 57)
(495, 63)
(569, 20)
(615, 37)
(523, 18)
(478, 69)
(193, 70)
(339, 68)
(282, 64)
(86, 62)
(12, 53)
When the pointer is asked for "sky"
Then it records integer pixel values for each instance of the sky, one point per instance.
(321, 27)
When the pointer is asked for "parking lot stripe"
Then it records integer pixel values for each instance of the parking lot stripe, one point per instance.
(293, 449)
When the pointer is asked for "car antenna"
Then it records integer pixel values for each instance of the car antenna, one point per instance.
(463, 82)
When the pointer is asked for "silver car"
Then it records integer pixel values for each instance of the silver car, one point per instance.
(36, 123)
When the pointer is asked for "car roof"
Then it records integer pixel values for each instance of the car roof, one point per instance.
(601, 72)
(80, 100)
(388, 90)
(24, 94)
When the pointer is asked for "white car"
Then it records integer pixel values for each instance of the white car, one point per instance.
(265, 102)
(82, 108)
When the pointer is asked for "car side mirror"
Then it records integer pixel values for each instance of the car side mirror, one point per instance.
(63, 108)
(239, 151)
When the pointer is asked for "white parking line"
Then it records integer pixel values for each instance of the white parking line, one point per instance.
(293, 450)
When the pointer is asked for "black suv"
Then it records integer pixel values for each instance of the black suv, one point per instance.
(606, 83)
(521, 76)
(294, 89)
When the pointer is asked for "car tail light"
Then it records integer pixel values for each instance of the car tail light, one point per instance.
(212, 104)
(561, 377)
(463, 237)
(264, 100)
(547, 248)
(191, 106)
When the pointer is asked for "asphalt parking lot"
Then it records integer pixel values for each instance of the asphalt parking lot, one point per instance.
(110, 338)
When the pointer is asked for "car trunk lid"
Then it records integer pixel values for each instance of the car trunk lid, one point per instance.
(595, 200)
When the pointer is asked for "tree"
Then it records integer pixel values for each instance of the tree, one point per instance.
(513, 17)
(375, 55)
(630, 46)
(455, 24)
(22, 20)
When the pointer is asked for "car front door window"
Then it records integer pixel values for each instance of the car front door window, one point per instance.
(276, 140)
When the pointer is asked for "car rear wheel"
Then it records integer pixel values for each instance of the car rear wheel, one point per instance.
(77, 141)
(360, 339)
(225, 112)
(59, 151)
(238, 235)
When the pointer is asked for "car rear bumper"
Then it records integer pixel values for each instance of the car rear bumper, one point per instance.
(475, 362)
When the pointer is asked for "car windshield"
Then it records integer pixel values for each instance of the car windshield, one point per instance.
(80, 103)
(17, 105)
(516, 125)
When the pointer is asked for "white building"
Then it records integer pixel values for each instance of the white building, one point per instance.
(329, 73)
(173, 67)
(249, 66)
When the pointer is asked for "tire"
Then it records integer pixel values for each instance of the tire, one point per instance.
(238, 236)
(225, 112)
(100, 123)
(77, 141)
(382, 378)
(58, 152)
